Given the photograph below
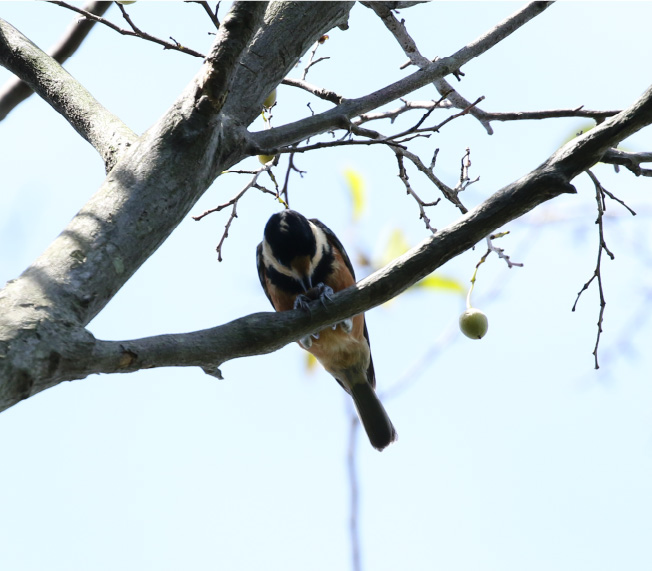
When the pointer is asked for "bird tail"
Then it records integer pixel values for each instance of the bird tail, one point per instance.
(374, 418)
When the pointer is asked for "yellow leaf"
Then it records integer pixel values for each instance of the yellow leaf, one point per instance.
(311, 362)
(579, 129)
(441, 283)
(358, 191)
(396, 246)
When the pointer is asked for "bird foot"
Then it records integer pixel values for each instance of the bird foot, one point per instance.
(306, 342)
(346, 325)
(321, 291)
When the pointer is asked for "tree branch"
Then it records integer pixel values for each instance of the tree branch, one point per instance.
(631, 161)
(43, 313)
(15, 91)
(134, 32)
(261, 333)
(320, 92)
(400, 33)
(258, 76)
(234, 35)
(145, 196)
(316, 124)
(103, 130)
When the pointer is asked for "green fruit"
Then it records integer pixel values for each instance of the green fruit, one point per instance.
(270, 100)
(264, 159)
(473, 323)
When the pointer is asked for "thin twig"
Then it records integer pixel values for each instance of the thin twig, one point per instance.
(449, 193)
(212, 15)
(409, 46)
(465, 181)
(320, 92)
(135, 32)
(312, 61)
(233, 203)
(500, 252)
(407, 106)
(291, 167)
(597, 273)
(598, 116)
(402, 174)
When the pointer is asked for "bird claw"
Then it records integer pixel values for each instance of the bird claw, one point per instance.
(325, 293)
(346, 325)
(321, 291)
(302, 302)
(306, 342)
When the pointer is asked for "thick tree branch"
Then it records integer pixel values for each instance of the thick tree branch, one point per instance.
(631, 161)
(258, 76)
(266, 332)
(234, 34)
(15, 91)
(273, 139)
(103, 130)
(146, 195)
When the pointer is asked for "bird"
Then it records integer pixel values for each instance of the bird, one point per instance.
(301, 260)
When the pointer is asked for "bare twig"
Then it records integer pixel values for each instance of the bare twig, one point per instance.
(233, 203)
(465, 181)
(598, 116)
(320, 92)
(374, 137)
(600, 193)
(291, 167)
(312, 61)
(449, 193)
(400, 33)
(134, 32)
(500, 252)
(350, 108)
(435, 129)
(212, 15)
(402, 174)
(597, 273)
(407, 106)
(490, 248)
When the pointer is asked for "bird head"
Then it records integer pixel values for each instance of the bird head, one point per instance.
(293, 245)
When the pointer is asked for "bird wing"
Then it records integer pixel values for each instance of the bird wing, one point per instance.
(261, 271)
(335, 242)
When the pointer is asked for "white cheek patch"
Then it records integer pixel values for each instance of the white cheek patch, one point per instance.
(271, 261)
(322, 242)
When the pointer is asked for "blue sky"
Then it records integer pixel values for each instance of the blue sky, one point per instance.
(513, 451)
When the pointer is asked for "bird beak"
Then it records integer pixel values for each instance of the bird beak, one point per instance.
(307, 283)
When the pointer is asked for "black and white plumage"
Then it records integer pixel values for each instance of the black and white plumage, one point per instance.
(300, 260)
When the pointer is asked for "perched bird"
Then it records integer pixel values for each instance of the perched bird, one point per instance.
(300, 260)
